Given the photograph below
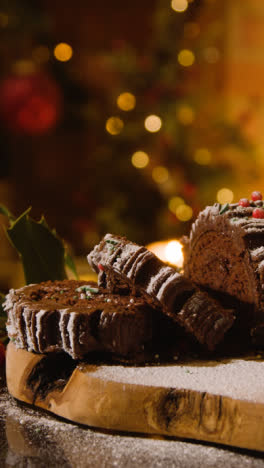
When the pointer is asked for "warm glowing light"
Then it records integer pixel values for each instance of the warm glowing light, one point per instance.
(225, 195)
(3, 20)
(185, 115)
(160, 174)
(63, 52)
(114, 125)
(259, 152)
(202, 156)
(140, 159)
(169, 251)
(126, 101)
(186, 58)
(173, 253)
(85, 277)
(184, 212)
(41, 54)
(174, 202)
(153, 123)
(179, 5)
(24, 67)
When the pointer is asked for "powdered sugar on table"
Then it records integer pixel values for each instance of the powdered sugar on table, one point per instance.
(36, 439)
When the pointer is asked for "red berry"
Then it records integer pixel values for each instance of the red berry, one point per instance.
(244, 202)
(258, 213)
(256, 196)
(100, 267)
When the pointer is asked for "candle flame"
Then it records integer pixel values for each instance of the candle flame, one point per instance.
(168, 251)
(173, 253)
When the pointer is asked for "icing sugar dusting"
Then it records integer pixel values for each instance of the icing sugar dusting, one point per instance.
(236, 378)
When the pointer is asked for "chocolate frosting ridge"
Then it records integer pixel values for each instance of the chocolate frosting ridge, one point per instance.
(78, 318)
(126, 266)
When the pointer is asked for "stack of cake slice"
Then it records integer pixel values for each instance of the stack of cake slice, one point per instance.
(140, 308)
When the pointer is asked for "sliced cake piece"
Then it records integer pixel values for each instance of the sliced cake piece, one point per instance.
(225, 252)
(78, 317)
(124, 266)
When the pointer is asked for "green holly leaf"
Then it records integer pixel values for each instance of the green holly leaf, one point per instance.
(5, 211)
(70, 264)
(224, 208)
(42, 252)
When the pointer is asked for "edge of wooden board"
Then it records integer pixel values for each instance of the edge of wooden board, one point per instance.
(112, 405)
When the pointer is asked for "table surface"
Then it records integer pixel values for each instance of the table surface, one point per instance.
(33, 438)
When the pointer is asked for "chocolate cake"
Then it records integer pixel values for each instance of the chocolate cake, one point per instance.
(78, 317)
(225, 252)
(124, 266)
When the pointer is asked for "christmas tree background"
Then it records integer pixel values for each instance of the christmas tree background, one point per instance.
(133, 136)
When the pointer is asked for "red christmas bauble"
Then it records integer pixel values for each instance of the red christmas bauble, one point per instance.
(30, 104)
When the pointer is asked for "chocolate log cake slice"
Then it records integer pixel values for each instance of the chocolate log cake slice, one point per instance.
(78, 317)
(225, 252)
(124, 266)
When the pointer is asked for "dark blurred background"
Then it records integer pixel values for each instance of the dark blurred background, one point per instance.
(128, 117)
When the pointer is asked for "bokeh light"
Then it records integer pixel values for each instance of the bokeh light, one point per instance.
(24, 67)
(179, 5)
(211, 55)
(114, 125)
(184, 212)
(160, 174)
(63, 52)
(3, 20)
(140, 159)
(185, 115)
(224, 195)
(186, 57)
(126, 101)
(202, 156)
(174, 202)
(153, 123)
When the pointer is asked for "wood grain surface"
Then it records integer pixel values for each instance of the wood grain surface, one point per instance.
(106, 397)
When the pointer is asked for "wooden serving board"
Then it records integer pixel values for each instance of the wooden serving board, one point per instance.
(216, 401)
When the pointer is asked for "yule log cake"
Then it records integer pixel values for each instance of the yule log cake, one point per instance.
(202, 399)
(225, 252)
